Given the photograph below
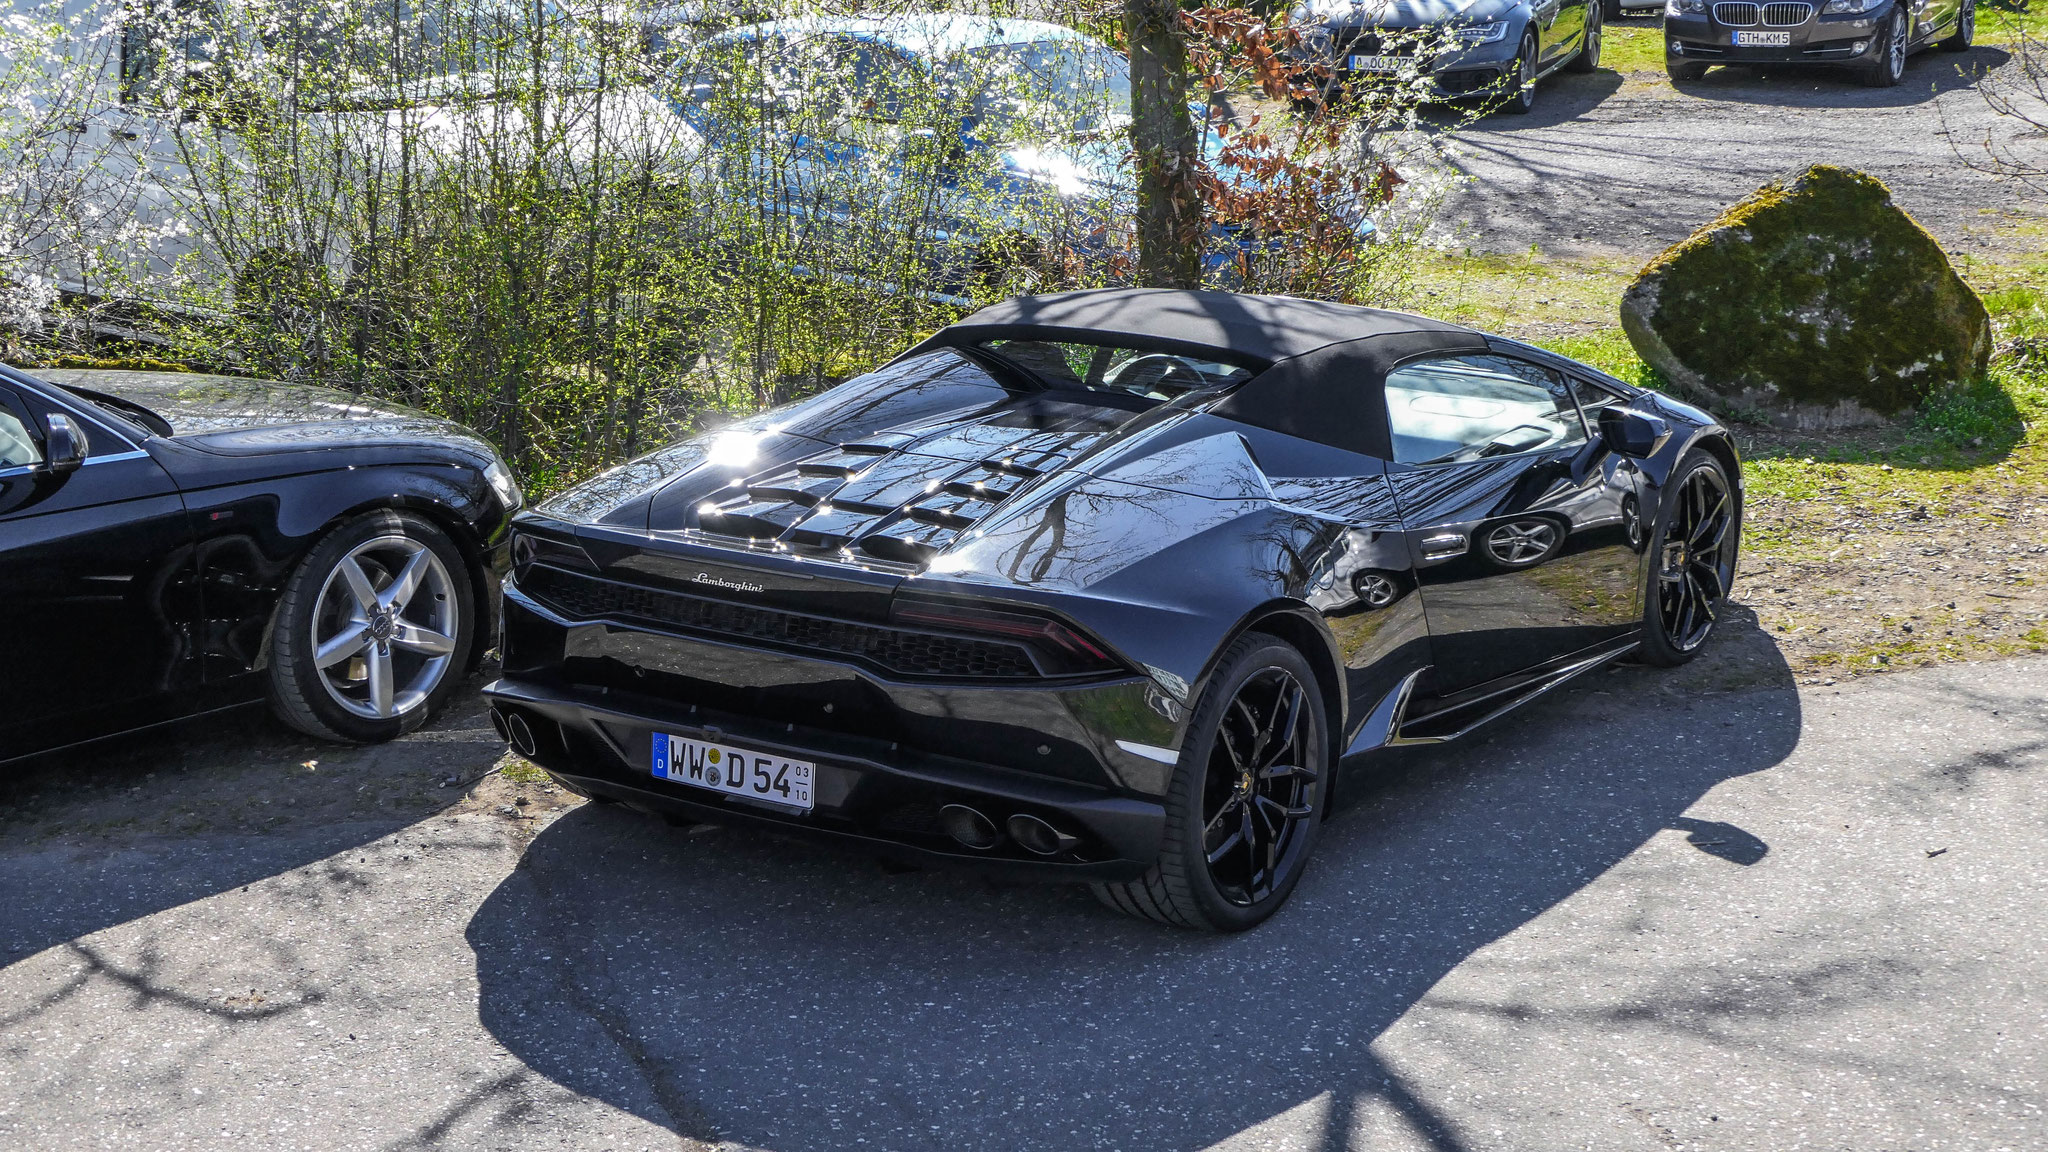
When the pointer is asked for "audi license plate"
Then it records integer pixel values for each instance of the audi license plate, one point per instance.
(1763, 39)
(1377, 63)
(761, 776)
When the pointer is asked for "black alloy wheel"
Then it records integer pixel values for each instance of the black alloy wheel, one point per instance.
(1588, 57)
(1966, 29)
(1521, 90)
(1890, 65)
(1691, 561)
(1247, 799)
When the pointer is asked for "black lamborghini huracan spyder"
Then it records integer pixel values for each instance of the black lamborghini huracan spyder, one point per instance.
(1109, 585)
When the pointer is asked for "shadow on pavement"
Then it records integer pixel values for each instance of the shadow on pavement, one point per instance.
(1930, 75)
(729, 985)
(1560, 97)
(117, 831)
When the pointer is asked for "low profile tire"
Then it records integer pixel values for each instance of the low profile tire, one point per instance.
(1246, 801)
(1610, 9)
(1520, 96)
(1966, 29)
(1588, 58)
(1685, 69)
(1890, 66)
(1691, 561)
(374, 631)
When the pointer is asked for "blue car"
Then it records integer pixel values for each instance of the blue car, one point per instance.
(968, 144)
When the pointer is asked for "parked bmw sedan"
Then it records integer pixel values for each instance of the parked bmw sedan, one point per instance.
(1110, 585)
(1874, 37)
(1489, 48)
(175, 544)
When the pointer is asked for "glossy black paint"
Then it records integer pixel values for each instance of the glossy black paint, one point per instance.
(749, 583)
(139, 588)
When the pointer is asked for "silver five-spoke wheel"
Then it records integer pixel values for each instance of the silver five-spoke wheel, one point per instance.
(385, 628)
(1522, 542)
(375, 629)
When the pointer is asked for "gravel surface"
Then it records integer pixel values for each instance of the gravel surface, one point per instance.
(1609, 164)
(1632, 916)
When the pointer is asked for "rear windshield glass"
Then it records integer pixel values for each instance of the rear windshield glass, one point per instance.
(1142, 372)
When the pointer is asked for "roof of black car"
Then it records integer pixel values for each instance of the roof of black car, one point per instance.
(1264, 328)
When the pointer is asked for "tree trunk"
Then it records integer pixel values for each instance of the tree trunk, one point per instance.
(1169, 204)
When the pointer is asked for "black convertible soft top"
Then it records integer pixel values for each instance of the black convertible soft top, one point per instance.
(1320, 366)
(1257, 330)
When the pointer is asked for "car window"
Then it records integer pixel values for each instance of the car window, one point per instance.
(1473, 407)
(1592, 398)
(17, 447)
(827, 77)
(1044, 87)
(1142, 372)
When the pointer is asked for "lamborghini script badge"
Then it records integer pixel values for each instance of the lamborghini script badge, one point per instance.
(722, 582)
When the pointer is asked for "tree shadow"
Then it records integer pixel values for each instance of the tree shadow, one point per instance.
(731, 985)
(123, 829)
(1930, 75)
(1560, 97)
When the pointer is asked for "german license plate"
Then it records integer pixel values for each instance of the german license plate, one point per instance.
(1377, 63)
(734, 771)
(1763, 39)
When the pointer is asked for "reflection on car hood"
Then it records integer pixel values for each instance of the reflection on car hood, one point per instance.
(237, 415)
(900, 465)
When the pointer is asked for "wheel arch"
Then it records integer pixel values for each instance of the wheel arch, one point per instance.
(461, 531)
(1297, 625)
(1715, 442)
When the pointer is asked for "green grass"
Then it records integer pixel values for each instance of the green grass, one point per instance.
(1985, 436)
(2007, 21)
(521, 772)
(1634, 45)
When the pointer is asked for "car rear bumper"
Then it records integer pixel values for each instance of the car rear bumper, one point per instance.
(889, 756)
(1820, 40)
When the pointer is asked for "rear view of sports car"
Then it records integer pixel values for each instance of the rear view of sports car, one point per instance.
(1111, 586)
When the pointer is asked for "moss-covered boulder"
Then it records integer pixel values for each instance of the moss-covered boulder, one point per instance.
(1815, 300)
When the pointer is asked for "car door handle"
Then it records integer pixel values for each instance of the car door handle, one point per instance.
(1444, 545)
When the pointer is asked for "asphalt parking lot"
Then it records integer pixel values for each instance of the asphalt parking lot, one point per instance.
(1634, 916)
(1709, 909)
(1628, 164)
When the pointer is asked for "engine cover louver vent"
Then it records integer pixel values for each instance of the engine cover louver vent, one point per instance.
(900, 503)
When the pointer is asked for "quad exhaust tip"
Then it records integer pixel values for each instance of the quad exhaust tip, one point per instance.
(969, 827)
(1038, 836)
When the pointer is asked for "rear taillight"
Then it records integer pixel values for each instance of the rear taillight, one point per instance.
(1060, 649)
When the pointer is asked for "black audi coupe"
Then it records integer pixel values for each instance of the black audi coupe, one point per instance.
(1109, 585)
(175, 544)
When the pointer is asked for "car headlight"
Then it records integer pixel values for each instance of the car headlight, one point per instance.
(1482, 33)
(500, 479)
(1684, 7)
(1850, 7)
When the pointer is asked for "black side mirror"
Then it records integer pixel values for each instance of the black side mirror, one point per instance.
(64, 445)
(1627, 432)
